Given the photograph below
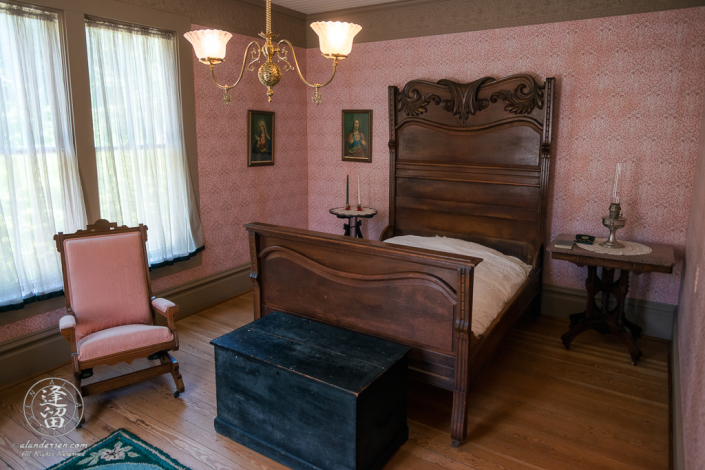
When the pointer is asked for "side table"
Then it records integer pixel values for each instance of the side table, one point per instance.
(351, 228)
(601, 317)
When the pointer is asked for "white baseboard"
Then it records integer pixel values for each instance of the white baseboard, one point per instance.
(46, 349)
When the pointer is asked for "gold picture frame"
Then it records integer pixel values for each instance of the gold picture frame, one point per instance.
(260, 138)
(357, 142)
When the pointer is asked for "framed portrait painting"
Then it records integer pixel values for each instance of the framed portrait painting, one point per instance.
(357, 135)
(260, 138)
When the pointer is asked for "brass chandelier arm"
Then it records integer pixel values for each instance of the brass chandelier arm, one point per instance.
(298, 69)
(255, 58)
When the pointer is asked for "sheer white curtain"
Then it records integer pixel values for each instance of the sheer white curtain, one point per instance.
(143, 173)
(40, 190)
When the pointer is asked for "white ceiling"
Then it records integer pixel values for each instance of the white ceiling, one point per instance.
(318, 6)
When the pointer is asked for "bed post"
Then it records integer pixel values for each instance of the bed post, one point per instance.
(545, 163)
(254, 273)
(459, 420)
(390, 230)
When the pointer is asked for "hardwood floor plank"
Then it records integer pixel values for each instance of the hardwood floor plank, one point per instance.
(194, 335)
(168, 411)
(583, 425)
(655, 352)
(428, 456)
(181, 447)
(575, 396)
(536, 406)
(10, 438)
(563, 437)
(605, 381)
(469, 453)
(605, 361)
(404, 459)
(196, 348)
(206, 326)
(504, 434)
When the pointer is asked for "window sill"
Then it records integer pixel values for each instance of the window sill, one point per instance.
(54, 303)
(177, 267)
(30, 310)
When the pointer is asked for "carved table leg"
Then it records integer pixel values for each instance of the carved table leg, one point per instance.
(623, 328)
(590, 284)
(625, 335)
(606, 286)
(568, 337)
(358, 224)
(603, 319)
(577, 320)
(621, 297)
(347, 227)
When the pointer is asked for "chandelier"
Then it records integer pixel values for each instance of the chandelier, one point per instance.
(335, 40)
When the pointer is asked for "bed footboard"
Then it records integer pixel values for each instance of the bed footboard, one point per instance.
(412, 296)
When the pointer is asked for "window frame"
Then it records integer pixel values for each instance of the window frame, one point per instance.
(72, 14)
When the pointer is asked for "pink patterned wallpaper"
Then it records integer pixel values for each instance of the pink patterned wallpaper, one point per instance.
(629, 88)
(232, 194)
(691, 322)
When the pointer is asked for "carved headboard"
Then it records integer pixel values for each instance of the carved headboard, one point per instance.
(471, 161)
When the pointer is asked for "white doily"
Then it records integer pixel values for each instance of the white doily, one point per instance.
(630, 248)
(353, 212)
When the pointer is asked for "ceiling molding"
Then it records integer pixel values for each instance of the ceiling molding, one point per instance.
(244, 17)
(313, 7)
(416, 18)
(403, 19)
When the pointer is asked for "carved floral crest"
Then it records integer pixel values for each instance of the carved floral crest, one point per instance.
(523, 100)
(463, 101)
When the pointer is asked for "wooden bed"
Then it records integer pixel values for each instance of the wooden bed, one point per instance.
(467, 161)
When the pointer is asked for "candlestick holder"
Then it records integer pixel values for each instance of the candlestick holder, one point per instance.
(359, 207)
(614, 222)
(347, 207)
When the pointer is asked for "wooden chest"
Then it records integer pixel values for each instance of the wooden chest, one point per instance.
(310, 395)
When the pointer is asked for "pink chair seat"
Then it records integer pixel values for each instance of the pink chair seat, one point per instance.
(121, 338)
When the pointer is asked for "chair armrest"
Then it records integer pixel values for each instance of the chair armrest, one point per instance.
(166, 308)
(67, 326)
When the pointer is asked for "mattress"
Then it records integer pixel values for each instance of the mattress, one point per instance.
(497, 277)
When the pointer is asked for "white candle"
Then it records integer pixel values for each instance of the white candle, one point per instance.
(358, 190)
(615, 188)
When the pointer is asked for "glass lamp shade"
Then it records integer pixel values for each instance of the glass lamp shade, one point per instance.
(335, 38)
(209, 43)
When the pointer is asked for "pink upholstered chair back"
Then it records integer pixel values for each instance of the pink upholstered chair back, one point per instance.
(107, 283)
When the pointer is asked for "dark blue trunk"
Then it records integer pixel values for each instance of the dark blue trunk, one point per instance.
(310, 395)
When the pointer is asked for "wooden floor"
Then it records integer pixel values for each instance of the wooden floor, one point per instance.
(536, 406)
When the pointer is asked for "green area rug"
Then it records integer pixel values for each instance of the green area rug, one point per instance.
(121, 450)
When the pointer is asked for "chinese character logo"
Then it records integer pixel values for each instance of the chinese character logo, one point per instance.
(53, 407)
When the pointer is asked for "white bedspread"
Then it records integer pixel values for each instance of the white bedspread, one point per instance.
(497, 277)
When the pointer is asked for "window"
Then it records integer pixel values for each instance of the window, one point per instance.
(143, 174)
(40, 190)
